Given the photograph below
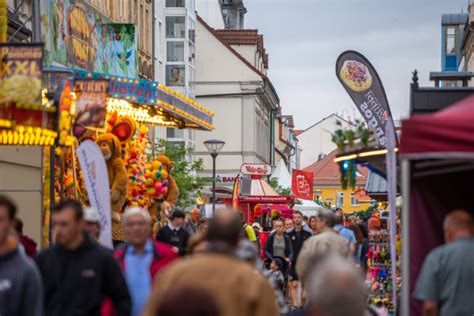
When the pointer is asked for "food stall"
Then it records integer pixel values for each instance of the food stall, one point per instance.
(255, 198)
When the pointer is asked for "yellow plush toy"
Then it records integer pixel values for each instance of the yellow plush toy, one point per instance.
(110, 146)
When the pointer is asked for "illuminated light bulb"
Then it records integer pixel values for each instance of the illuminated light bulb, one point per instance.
(30, 130)
(124, 80)
(32, 139)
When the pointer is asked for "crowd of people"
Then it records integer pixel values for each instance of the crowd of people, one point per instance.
(312, 266)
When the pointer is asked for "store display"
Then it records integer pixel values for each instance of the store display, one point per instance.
(379, 278)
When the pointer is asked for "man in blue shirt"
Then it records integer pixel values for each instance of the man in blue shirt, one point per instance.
(343, 231)
(141, 257)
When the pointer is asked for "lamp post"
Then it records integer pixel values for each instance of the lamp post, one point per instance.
(214, 146)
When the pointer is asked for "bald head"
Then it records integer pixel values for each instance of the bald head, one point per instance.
(195, 214)
(225, 227)
(457, 223)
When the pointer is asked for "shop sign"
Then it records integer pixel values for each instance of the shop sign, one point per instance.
(363, 84)
(259, 169)
(20, 85)
(91, 97)
(267, 199)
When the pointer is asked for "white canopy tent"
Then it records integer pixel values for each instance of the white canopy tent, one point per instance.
(308, 208)
(281, 173)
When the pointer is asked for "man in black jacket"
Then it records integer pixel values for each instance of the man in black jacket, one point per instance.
(78, 273)
(174, 234)
(298, 235)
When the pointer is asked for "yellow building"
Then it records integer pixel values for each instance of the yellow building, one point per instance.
(327, 186)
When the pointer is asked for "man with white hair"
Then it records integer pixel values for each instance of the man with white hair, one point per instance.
(334, 287)
(141, 253)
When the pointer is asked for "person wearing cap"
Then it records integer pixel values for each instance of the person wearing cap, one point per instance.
(92, 222)
(174, 234)
(140, 258)
(257, 229)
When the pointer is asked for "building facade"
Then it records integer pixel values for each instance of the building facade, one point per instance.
(286, 143)
(231, 81)
(327, 185)
(315, 141)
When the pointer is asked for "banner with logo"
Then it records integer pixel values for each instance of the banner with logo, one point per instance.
(94, 171)
(302, 184)
(364, 86)
(20, 85)
(91, 97)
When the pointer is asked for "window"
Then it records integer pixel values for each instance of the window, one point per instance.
(174, 133)
(192, 31)
(175, 27)
(135, 11)
(354, 201)
(175, 51)
(340, 199)
(451, 40)
(175, 3)
(175, 75)
(192, 53)
(147, 31)
(192, 78)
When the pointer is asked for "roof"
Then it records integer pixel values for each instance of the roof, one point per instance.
(244, 37)
(239, 37)
(454, 18)
(324, 119)
(326, 171)
(220, 39)
(376, 184)
(430, 100)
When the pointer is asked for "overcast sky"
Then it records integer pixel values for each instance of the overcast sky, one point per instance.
(305, 37)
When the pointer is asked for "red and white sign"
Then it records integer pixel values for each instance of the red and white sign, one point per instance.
(302, 184)
(256, 169)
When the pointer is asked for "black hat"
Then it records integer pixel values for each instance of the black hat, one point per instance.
(177, 213)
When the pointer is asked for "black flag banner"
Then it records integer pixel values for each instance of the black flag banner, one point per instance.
(364, 86)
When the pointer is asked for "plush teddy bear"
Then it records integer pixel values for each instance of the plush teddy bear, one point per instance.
(110, 146)
(173, 190)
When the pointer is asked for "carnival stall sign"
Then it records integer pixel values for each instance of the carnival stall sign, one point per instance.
(255, 198)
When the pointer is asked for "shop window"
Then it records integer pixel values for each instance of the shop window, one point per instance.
(175, 51)
(175, 75)
(354, 201)
(451, 40)
(175, 27)
(175, 3)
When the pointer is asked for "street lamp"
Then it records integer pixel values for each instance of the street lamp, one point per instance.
(214, 146)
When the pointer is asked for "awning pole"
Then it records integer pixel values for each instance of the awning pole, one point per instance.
(405, 268)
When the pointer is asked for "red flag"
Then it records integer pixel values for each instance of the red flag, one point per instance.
(303, 184)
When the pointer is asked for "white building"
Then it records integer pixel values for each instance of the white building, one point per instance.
(231, 81)
(315, 141)
(175, 57)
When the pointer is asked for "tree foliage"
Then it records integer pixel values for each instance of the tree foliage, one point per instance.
(184, 172)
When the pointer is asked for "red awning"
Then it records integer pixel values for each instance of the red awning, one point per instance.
(447, 133)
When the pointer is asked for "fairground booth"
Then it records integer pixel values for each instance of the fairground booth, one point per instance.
(91, 128)
(256, 199)
(437, 159)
